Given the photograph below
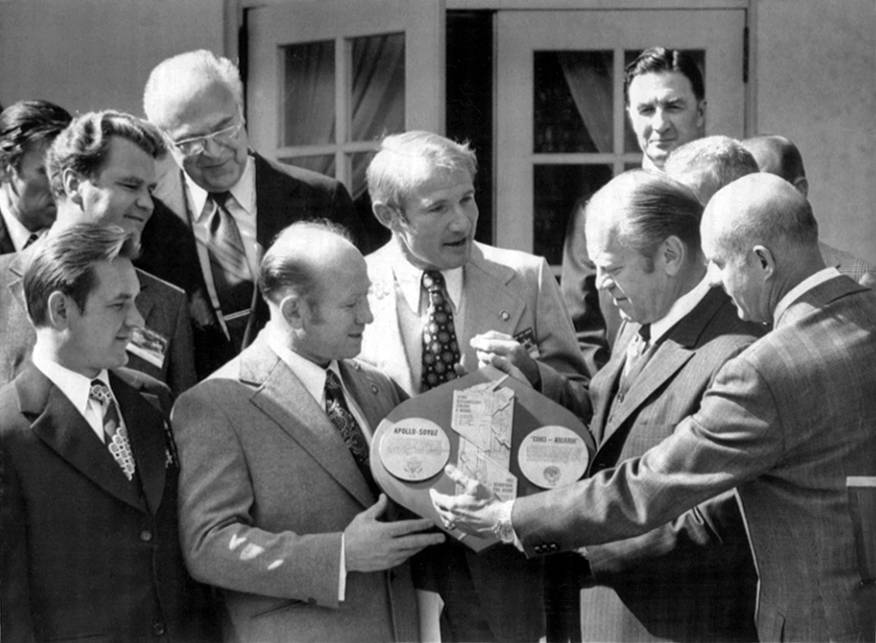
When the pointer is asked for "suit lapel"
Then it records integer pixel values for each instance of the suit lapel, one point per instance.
(146, 297)
(673, 351)
(282, 397)
(146, 432)
(57, 422)
(605, 384)
(489, 303)
(278, 201)
(6, 246)
(383, 298)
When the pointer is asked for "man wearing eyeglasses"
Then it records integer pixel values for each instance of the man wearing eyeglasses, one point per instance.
(234, 202)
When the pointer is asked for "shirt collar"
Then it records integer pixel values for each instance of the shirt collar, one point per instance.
(409, 279)
(75, 386)
(18, 234)
(243, 191)
(312, 375)
(682, 306)
(800, 289)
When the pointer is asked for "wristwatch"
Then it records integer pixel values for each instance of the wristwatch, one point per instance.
(504, 531)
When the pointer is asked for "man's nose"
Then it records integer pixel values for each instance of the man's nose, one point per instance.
(145, 202)
(660, 120)
(134, 318)
(603, 279)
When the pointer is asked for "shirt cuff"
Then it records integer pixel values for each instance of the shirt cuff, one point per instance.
(505, 509)
(342, 573)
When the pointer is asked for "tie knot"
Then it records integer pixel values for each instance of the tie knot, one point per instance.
(332, 382)
(433, 280)
(645, 333)
(220, 198)
(100, 393)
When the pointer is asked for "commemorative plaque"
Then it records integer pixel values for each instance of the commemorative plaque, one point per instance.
(491, 426)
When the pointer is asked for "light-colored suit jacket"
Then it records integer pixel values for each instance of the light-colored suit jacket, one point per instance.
(504, 290)
(162, 305)
(692, 579)
(507, 291)
(785, 423)
(267, 487)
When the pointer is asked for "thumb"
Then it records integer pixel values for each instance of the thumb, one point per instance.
(376, 510)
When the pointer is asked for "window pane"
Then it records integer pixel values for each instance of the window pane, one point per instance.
(699, 56)
(558, 190)
(323, 163)
(378, 97)
(373, 233)
(573, 102)
(308, 100)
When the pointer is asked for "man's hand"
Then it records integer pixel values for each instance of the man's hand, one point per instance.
(371, 545)
(502, 351)
(475, 511)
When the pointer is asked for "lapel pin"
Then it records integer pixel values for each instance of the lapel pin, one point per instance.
(505, 315)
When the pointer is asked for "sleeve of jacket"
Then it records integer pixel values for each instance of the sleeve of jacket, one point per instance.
(560, 364)
(734, 436)
(220, 542)
(16, 624)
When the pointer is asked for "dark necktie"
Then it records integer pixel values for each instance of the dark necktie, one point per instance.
(231, 274)
(638, 353)
(115, 435)
(339, 413)
(33, 237)
(440, 348)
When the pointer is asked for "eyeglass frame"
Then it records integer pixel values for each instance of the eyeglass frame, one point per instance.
(224, 135)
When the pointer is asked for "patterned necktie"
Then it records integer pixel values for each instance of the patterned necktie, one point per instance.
(231, 274)
(339, 413)
(440, 348)
(115, 435)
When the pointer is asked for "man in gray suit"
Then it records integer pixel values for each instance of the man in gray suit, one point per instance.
(422, 190)
(277, 504)
(102, 170)
(786, 422)
(692, 579)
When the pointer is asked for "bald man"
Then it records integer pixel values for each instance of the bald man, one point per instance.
(778, 155)
(277, 504)
(786, 422)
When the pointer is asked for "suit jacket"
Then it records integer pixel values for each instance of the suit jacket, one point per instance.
(84, 552)
(508, 291)
(785, 423)
(848, 264)
(6, 246)
(284, 194)
(162, 306)
(266, 490)
(692, 579)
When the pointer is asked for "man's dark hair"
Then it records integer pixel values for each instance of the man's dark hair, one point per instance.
(84, 145)
(66, 264)
(661, 59)
(26, 123)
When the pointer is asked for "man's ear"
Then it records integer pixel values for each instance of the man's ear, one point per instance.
(292, 309)
(386, 214)
(765, 260)
(58, 308)
(673, 252)
(701, 113)
(72, 181)
(6, 172)
(802, 185)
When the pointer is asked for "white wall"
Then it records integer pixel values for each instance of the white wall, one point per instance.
(93, 54)
(816, 84)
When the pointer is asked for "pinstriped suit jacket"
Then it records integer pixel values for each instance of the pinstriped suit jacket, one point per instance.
(785, 423)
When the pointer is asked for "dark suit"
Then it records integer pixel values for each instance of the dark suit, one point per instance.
(6, 246)
(785, 423)
(692, 579)
(266, 490)
(162, 305)
(84, 552)
(284, 194)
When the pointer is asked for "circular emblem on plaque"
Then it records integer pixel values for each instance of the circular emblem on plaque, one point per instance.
(414, 449)
(553, 456)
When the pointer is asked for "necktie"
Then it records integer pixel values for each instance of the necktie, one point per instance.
(115, 435)
(231, 274)
(440, 348)
(33, 237)
(339, 413)
(637, 356)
